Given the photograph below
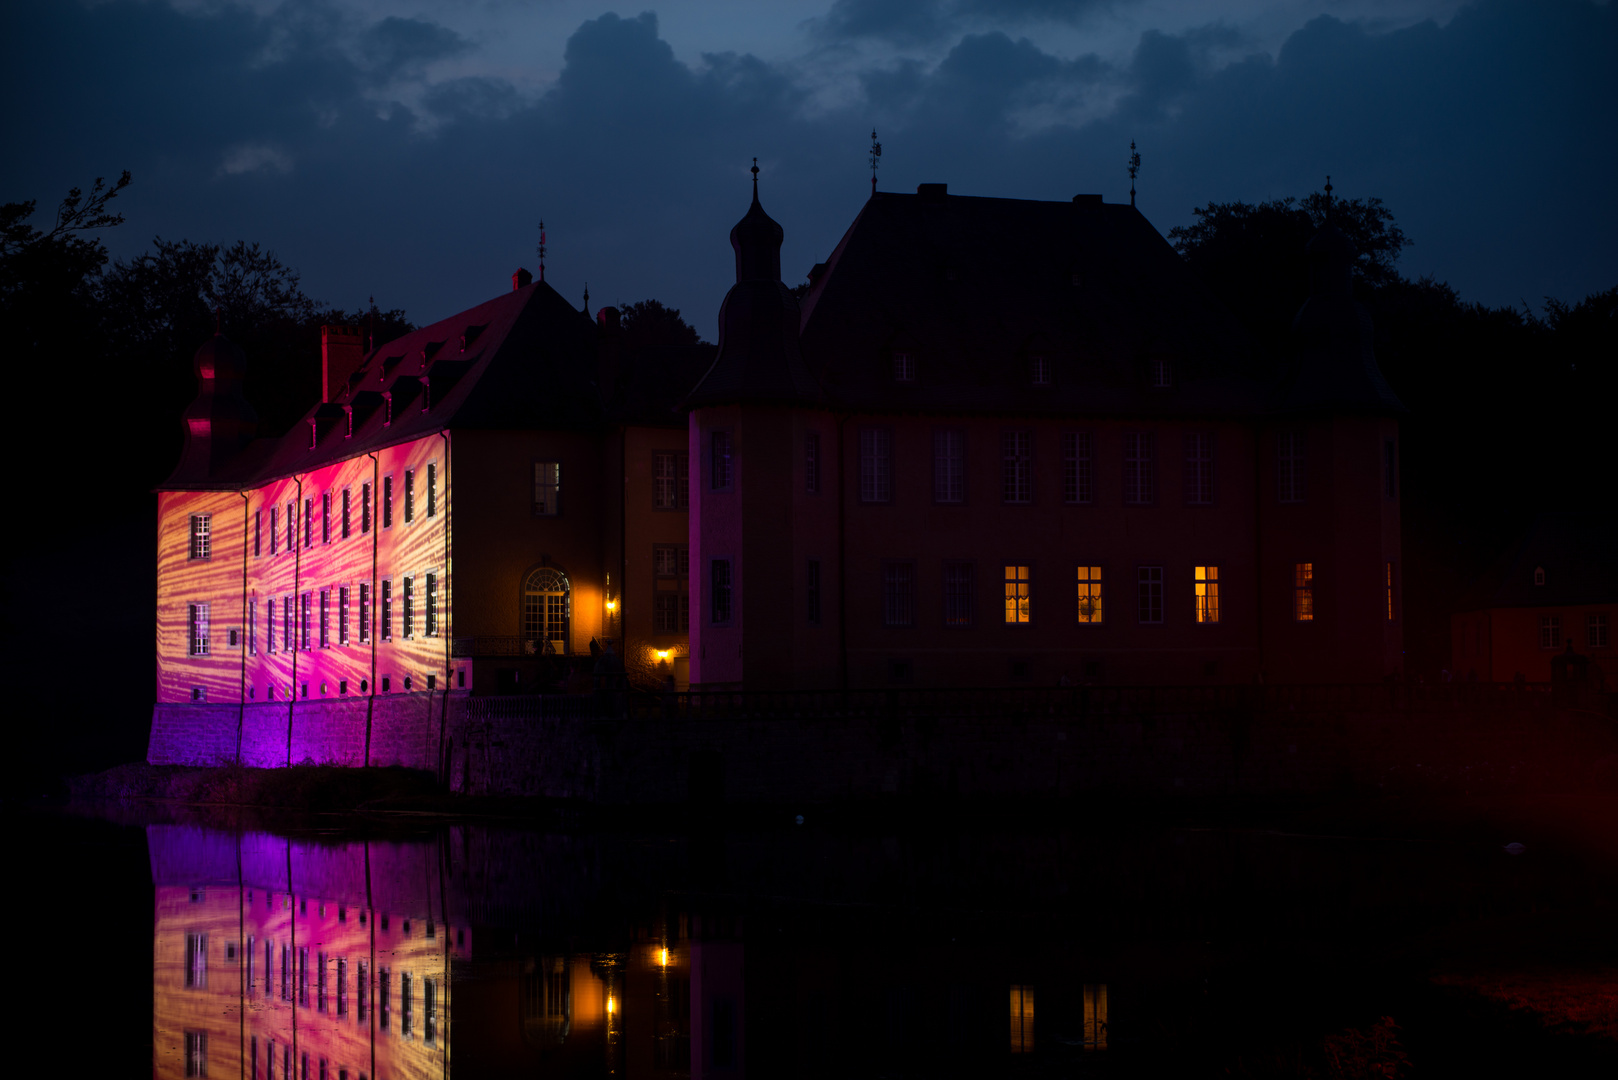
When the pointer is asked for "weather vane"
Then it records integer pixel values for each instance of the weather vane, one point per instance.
(876, 155)
(587, 298)
(542, 249)
(755, 179)
(1134, 170)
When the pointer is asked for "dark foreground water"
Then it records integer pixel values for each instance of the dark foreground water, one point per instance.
(1094, 943)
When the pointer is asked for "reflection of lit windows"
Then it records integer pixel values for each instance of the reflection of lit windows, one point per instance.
(1550, 631)
(196, 1053)
(196, 961)
(1207, 594)
(1018, 600)
(1089, 594)
(1303, 592)
(958, 594)
(201, 536)
(1022, 1019)
(198, 621)
(1149, 594)
(1094, 1031)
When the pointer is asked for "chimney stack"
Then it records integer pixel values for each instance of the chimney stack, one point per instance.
(342, 350)
(521, 279)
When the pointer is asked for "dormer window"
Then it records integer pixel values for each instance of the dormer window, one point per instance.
(1040, 369)
(1159, 374)
(1539, 575)
(904, 366)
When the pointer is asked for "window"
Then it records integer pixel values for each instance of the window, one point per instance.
(384, 998)
(252, 628)
(1149, 594)
(432, 605)
(1094, 1029)
(1140, 481)
(546, 610)
(670, 489)
(1289, 467)
(365, 508)
(342, 986)
(305, 609)
(812, 593)
(432, 489)
(671, 569)
(289, 618)
(387, 502)
(958, 594)
(409, 496)
(1550, 631)
(719, 593)
(904, 367)
(429, 1010)
(1199, 469)
(275, 535)
(325, 618)
(719, 461)
(1040, 369)
(1207, 587)
(309, 522)
(201, 536)
(1303, 592)
(196, 1053)
(365, 613)
(258, 533)
(1390, 469)
(811, 463)
(876, 465)
(405, 1002)
(361, 986)
(1078, 467)
(1017, 596)
(292, 526)
(1089, 596)
(1017, 466)
(949, 466)
(196, 961)
(269, 625)
(1022, 1019)
(387, 610)
(342, 615)
(1595, 631)
(547, 488)
(1390, 592)
(348, 513)
(325, 517)
(1539, 575)
(898, 594)
(198, 621)
(1159, 374)
(409, 597)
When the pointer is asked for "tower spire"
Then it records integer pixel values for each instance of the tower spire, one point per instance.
(876, 155)
(1134, 169)
(542, 249)
(755, 179)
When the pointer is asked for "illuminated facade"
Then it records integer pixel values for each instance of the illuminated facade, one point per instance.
(1001, 442)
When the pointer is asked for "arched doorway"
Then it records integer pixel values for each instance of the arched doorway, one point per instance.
(545, 610)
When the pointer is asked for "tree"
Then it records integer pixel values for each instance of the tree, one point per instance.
(649, 323)
(47, 277)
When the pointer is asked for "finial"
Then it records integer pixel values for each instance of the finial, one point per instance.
(755, 179)
(1134, 169)
(542, 249)
(1328, 198)
(587, 298)
(876, 154)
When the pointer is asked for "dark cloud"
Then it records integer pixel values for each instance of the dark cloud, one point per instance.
(924, 22)
(402, 48)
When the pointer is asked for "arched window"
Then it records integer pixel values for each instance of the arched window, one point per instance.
(545, 610)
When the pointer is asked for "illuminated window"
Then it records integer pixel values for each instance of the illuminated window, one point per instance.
(812, 593)
(386, 621)
(409, 496)
(196, 961)
(387, 502)
(1093, 1034)
(196, 1053)
(1040, 369)
(201, 536)
(1550, 631)
(1017, 594)
(1017, 466)
(258, 533)
(1303, 592)
(876, 465)
(1390, 592)
(719, 461)
(949, 466)
(811, 463)
(325, 517)
(1207, 594)
(547, 488)
(1595, 631)
(1199, 469)
(431, 628)
(1140, 473)
(670, 487)
(408, 594)
(432, 489)
(1022, 1019)
(198, 621)
(342, 615)
(306, 617)
(275, 535)
(898, 594)
(958, 606)
(904, 367)
(546, 611)
(1149, 594)
(325, 618)
(348, 513)
(252, 628)
(365, 508)
(719, 598)
(1289, 467)
(1089, 594)
(1078, 467)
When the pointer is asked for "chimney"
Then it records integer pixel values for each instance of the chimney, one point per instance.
(342, 350)
(521, 279)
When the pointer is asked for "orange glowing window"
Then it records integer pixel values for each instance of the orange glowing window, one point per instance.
(1018, 599)
(1303, 592)
(1022, 1019)
(1089, 594)
(1094, 1031)
(1207, 594)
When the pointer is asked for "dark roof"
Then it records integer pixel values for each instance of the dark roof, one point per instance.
(974, 288)
(1334, 366)
(1577, 551)
(528, 361)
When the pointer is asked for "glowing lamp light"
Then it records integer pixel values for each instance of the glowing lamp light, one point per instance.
(611, 1005)
(612, 605)
(663, 658)
(663, 957)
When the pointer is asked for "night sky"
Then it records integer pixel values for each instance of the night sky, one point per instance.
(408, 148)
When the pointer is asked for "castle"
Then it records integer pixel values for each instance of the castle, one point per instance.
(994, 442)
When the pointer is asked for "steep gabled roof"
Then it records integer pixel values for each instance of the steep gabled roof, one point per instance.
(974, 287)
(1578, 552)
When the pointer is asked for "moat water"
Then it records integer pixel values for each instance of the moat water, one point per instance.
(1090, 944)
